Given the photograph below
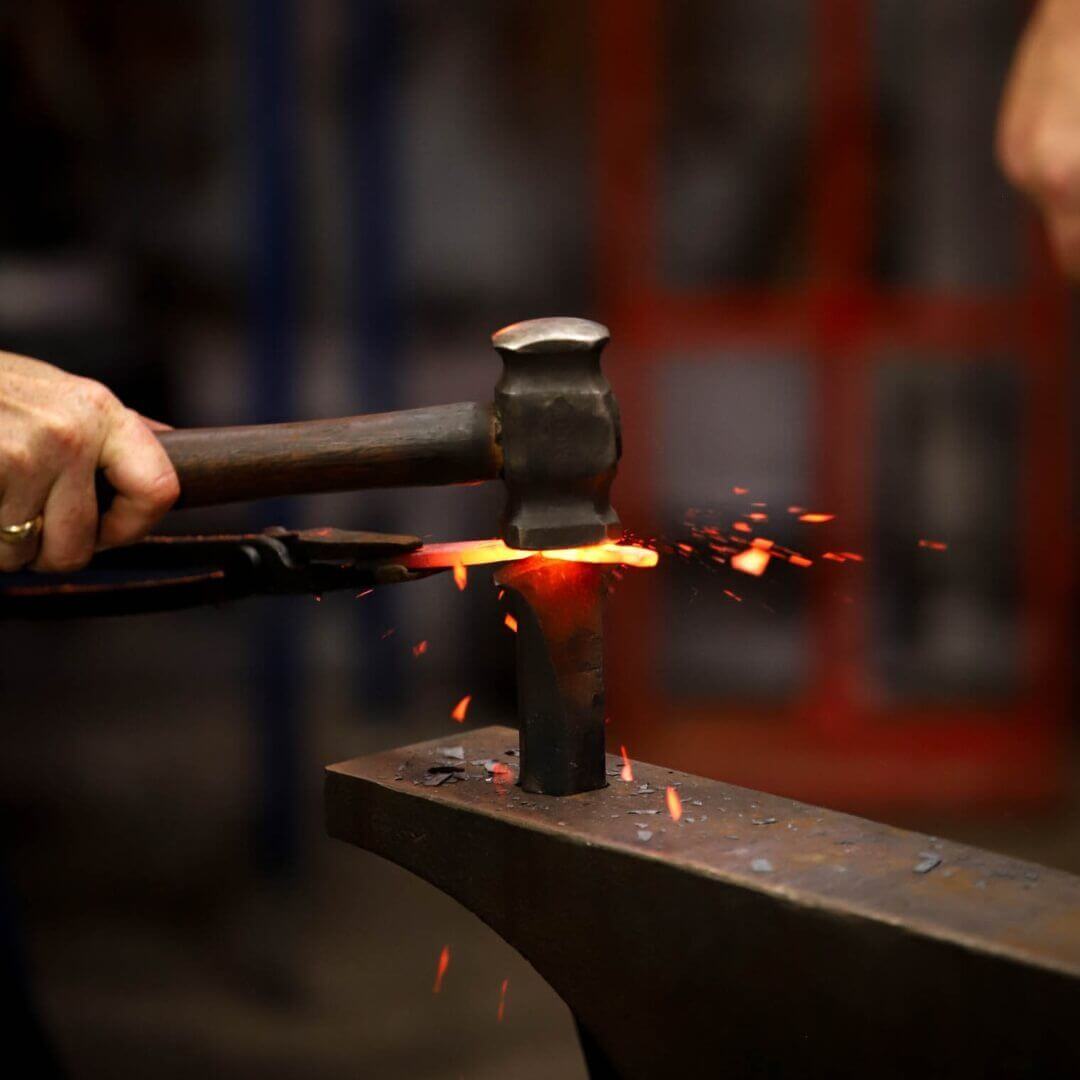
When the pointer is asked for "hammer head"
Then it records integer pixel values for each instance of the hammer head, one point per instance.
(559, 429)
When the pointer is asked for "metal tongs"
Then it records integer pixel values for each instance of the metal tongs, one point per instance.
(169, 573)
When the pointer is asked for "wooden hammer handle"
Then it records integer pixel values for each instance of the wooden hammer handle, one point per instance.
(445, 444)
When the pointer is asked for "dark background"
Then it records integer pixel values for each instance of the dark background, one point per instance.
(233, 212)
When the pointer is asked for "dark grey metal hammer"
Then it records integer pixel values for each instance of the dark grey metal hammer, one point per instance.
(551, 434)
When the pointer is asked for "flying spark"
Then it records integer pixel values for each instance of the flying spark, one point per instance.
(502, 1000)
(460, 709)
(440, 971)
(461, 576)
(674, 804)
(816, 519)
(626, 773)
(753, 561)
(419, 648)
(510, 623)
(934, 545)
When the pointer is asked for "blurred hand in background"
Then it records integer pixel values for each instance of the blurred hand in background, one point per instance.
(56, 431)
(1039, 125)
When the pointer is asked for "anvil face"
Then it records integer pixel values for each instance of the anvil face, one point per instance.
(756, 935)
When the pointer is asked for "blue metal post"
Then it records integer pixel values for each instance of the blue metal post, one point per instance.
(374, 306)
(274, 337)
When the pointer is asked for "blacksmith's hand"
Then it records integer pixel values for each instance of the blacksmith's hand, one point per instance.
(1038, 141)
(56, 431)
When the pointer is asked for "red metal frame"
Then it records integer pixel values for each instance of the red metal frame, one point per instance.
(837, 742)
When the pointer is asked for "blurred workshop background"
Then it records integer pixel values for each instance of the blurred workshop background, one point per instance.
(822, 294)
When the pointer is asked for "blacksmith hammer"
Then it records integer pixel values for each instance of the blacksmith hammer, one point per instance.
(551, 433)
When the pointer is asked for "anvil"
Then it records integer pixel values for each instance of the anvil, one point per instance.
(754, 937)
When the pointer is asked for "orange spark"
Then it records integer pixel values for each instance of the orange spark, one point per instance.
(816, 519)
(502, 1001)
(833, 557)
(626, 774)
(758, 515)
(852, 555)
(686, 549)
(761, 542)
(419, 648)
(741, 526)
(510, 623)
(733, 596)
(934, 545)
(796, 509)
(674, 804)
(800, 560)
(440, 971)
(502, 777)
(740, 491)
(751, 561)
(461, 576)
(460, 709)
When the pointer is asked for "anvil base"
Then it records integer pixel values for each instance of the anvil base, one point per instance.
(756, 936)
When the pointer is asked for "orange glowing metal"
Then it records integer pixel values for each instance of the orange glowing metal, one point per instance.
(461, 554)
(502, 1000)
(674, 804)
(460, 709)
(816, 519)
(619, 554)
(751, 561)
(461, 576)
(419, 648)
(626, 773)
(510, 623)
(440, 971)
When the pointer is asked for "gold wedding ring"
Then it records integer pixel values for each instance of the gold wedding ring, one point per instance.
(19, 534)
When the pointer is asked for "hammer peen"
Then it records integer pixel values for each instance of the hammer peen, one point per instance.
(551, 433)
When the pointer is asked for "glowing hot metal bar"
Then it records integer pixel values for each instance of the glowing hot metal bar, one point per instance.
(480, 552)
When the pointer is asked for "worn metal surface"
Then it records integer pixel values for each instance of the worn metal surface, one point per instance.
(560, 434)
(756, 937)
(560, 672)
